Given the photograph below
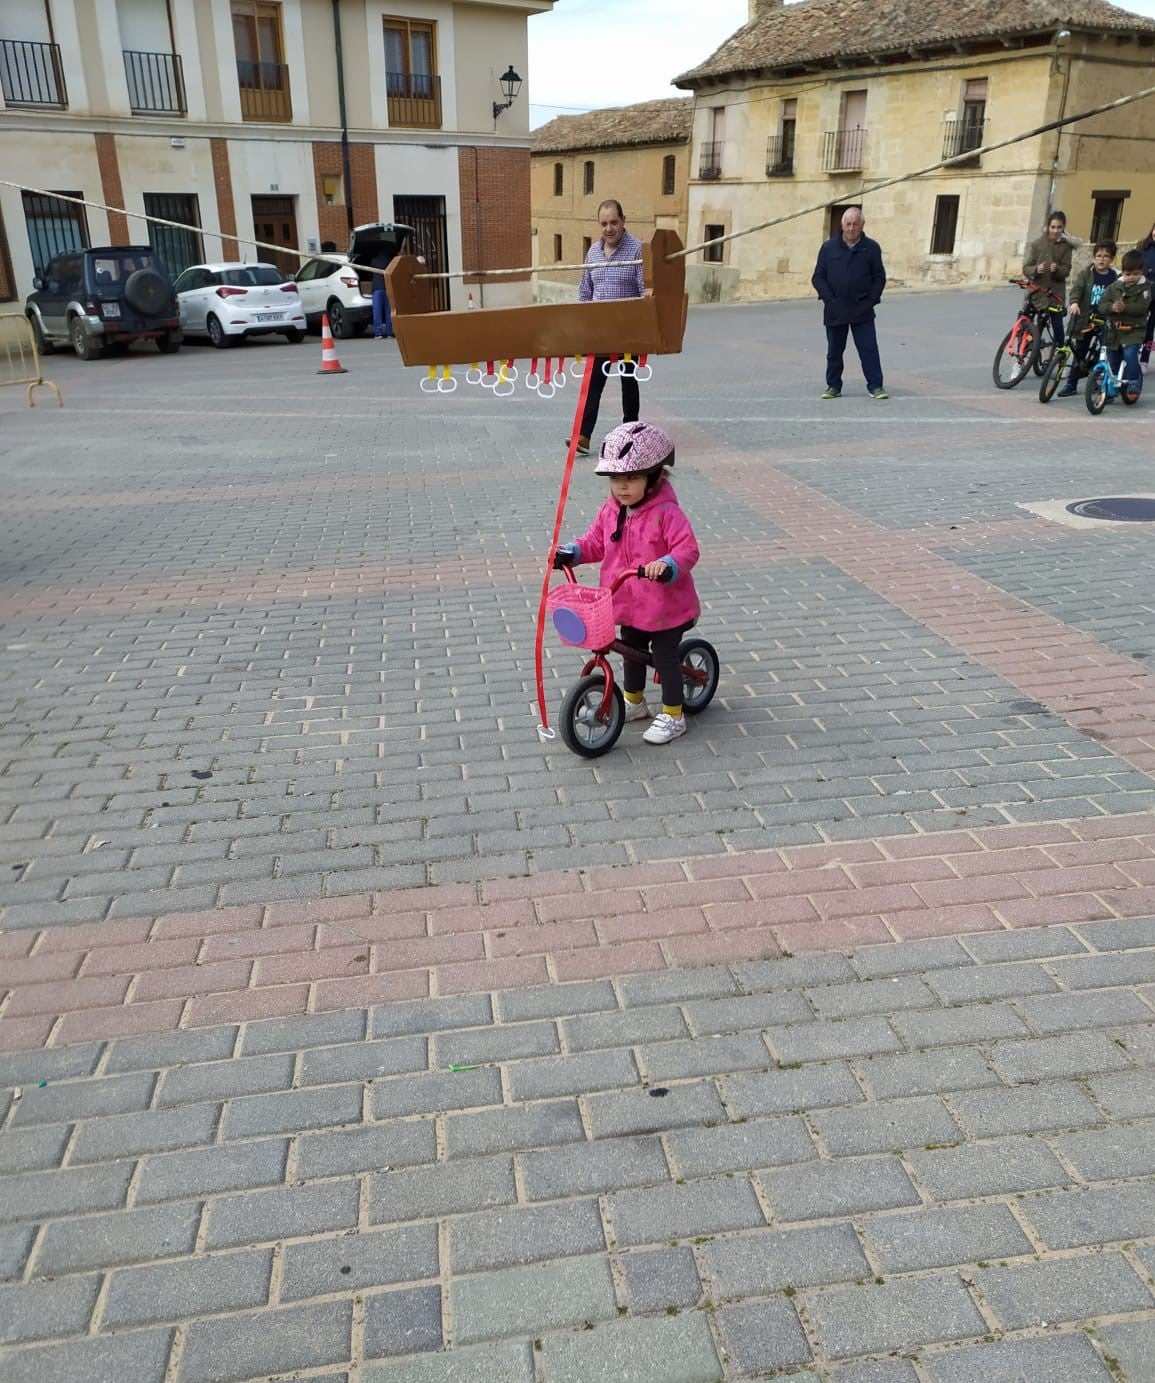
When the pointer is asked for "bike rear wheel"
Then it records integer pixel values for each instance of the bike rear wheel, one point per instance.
(1096, 394)
(699, 674)
(1057, 372)
(1015, 354)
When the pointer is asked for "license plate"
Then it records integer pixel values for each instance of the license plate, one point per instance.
(269, 316)
(110, 309)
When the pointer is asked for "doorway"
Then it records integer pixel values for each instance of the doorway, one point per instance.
(835, 224)
(275, 223)
(427, 217)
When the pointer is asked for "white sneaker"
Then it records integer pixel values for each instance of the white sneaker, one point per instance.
(637, 710)
(665, 728)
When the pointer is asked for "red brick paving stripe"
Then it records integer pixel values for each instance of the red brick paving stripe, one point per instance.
(72, 984)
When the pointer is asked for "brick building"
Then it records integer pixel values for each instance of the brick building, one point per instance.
(285, 121)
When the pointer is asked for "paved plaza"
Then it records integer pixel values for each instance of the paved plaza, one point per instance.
(352, 1032)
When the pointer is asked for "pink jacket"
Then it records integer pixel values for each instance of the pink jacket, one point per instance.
(653, 529)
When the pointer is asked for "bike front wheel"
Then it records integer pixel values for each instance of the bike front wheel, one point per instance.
(1056, 372)
(1096, 393)
(1047, 345)
(582, 726)
(1015, 355)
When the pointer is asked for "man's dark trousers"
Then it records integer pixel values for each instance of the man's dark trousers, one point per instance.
(865, 343)
(631, 398)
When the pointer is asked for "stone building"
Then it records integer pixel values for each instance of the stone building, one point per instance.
(639, 155)
(287, 121)
(809, 102)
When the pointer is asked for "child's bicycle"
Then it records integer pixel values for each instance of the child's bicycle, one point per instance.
(593, 713)
(1103, 385)
(1031, 342)
(1063, 361)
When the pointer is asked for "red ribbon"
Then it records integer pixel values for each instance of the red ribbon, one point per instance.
(539, 639)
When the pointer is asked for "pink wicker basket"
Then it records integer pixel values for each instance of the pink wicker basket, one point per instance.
(583, 616)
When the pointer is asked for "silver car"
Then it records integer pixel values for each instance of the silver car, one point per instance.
(228, 302)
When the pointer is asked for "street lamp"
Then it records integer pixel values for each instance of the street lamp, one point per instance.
(510, 86)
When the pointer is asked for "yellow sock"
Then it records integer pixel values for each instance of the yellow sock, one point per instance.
(635, 698)
(674, 711)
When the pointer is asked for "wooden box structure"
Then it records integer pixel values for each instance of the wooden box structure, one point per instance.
(650, 325)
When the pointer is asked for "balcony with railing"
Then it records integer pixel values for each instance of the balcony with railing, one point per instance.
(843, 150)
(780, 156)
(710, 164)
(265, 93)
(31, 74)
(155, 83)
(414, 99)
(960, 137)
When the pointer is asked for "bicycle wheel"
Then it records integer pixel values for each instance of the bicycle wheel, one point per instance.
(1047, 345)
(1016, 351)
(1096, 393)
(579, 724)
(1056, 371)
(699, 674)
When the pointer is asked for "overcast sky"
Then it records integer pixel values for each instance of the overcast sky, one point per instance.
(593, 53)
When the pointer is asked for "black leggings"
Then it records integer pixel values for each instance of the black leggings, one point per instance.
(663, 644)
(631, 398)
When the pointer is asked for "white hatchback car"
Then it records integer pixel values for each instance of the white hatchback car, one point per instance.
(227, 302)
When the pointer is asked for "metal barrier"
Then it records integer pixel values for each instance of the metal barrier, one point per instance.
(20, 358)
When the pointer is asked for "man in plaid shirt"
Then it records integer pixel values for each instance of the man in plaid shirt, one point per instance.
(613, 270)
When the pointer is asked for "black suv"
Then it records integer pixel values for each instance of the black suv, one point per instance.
(110, 297)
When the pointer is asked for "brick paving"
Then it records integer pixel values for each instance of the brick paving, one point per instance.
(338, 1008)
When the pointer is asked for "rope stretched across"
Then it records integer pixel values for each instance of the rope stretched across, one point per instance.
(863, 191)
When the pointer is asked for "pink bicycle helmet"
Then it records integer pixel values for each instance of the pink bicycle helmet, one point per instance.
(633, 448)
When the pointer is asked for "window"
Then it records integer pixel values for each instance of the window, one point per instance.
(558, 179)
(711, 161)
(966, 131)
(178, 248)
(557, 249)
(411, 80)
(588, 177)
(712, 254)
(53, 227)
(780, 147)
(945, 225)
(846, 145)
(262, 74)
(669, 172)
(1108, 215)
(333, 189)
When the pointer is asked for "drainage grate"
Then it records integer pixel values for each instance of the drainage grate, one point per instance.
(1116, 509)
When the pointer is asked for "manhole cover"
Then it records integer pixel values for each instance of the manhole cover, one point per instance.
(1116, 509)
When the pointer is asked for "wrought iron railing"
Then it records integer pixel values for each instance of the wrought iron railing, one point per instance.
(31, 74)
(710, 165)
(155, 83)
(414, 99)
(960, 136)
(843, 149)
(779, 156)
(265, 93)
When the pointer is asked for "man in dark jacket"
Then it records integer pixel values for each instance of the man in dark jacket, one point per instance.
(849, 278)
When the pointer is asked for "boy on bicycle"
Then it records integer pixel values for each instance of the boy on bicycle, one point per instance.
(1124, 306)
(1090, 284)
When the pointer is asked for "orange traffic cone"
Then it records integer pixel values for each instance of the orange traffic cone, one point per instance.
(330, 365)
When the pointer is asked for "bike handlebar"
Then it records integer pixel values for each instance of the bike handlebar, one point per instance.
(639, 572)
(1032, 287)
